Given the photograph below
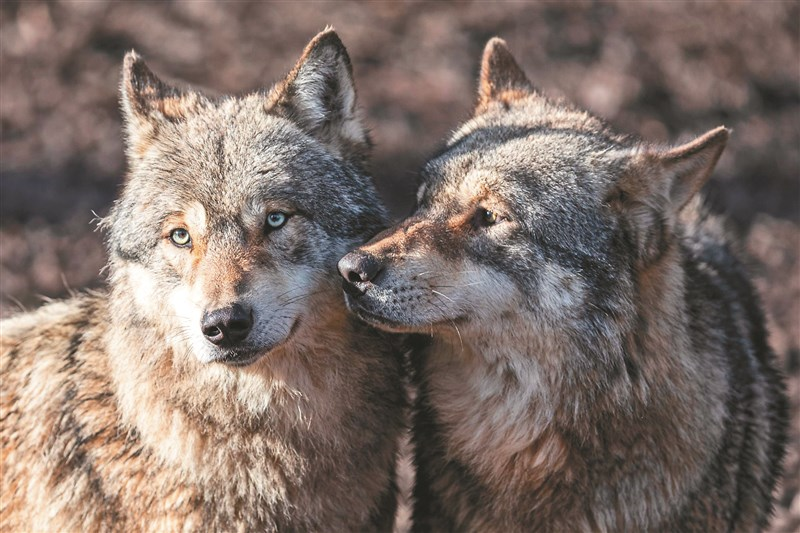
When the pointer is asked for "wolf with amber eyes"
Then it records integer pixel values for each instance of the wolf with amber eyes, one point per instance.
(219, 384)
(598, 357)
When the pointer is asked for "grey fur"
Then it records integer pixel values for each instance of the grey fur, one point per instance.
(598, 359)
(118, 413)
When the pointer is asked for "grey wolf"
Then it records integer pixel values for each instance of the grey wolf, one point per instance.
(598, 359)
(219, 383)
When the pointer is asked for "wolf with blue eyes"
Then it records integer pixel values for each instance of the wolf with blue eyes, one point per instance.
(235, 210)
(218, 384)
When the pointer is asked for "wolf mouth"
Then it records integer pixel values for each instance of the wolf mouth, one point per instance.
(247, 356)
(388, 324)
(375, 319)
(239, 358)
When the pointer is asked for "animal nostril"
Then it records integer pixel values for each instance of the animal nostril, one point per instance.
(359, 266)
(211, 331)
(370, 268)
(353, 290)
(227, 326)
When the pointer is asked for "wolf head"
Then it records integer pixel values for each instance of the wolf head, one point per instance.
(235, 210)
(534, 210)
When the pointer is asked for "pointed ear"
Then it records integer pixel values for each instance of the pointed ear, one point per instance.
(688, 166)
(502, 80)
(656, 184)
(670, 178)
(147, 102)
(319, 95)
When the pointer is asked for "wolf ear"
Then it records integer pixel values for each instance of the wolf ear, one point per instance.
(687, 167)
(656, 184)
(319, 95)
(501, 80)
(671, 178)
(148, 102)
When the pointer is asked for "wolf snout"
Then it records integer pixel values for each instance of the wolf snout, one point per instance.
(358, 268)
(227, 326)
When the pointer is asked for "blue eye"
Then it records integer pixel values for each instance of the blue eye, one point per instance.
(180, 237)
(276, 219)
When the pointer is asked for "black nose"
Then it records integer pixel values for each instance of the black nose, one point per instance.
(227, 326)
(359, 266)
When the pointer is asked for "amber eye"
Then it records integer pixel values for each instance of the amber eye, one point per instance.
(276, 220)
(487, 217)
(180, 237)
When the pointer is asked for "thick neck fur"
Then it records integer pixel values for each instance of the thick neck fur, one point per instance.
(555, 413)
(139, 435)
(196, 415)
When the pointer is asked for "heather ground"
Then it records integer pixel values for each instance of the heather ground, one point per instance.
(664, 70)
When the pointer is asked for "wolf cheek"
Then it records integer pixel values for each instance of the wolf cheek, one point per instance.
(150, 406)
(601, 364)
(426, 289)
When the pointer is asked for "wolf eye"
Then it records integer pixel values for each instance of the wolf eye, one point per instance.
(180, 237)
(276, 219)
(487, 217)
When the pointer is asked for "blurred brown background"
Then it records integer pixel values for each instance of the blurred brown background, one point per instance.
(665, 70)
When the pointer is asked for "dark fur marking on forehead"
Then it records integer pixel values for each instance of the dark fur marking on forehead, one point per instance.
(226, 227)
(490, 137)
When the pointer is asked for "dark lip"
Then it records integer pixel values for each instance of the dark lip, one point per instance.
(384, 323)
(381, 322)
(240, 358)
(356, 308)
(246, 357)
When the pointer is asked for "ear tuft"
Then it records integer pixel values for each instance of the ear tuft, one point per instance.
(501, 79)
(319, 95)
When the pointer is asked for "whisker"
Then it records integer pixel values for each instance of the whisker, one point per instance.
(460, 286)
(442, 294)
(450, 320)
(289, 292)
(460, 340)
(301, 297)
(16, 302)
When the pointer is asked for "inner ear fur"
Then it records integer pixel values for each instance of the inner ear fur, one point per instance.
(501, 79)
(319, 95)
(656, 184)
